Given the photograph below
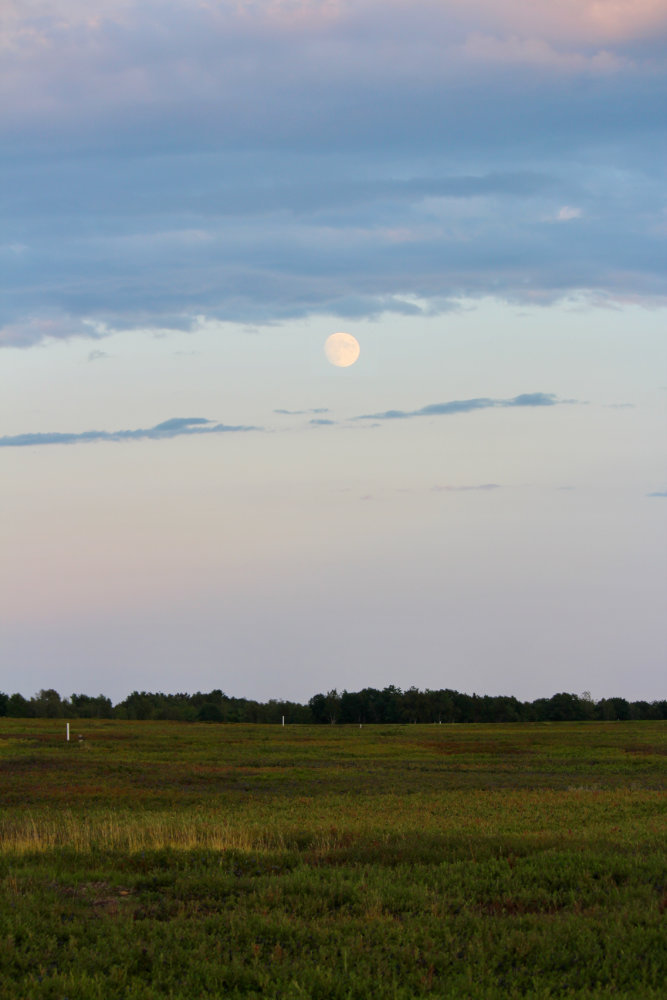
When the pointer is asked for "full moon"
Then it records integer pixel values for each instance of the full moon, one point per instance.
(341, 349)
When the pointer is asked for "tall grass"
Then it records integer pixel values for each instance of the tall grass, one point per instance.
(625, 816)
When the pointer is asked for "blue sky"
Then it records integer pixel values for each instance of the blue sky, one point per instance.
(194, 196)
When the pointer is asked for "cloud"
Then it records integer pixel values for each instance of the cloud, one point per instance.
(567, 213)
(300, 413)
(25, 330)
(322, 242)
(257, 162)
(531, 399)
(189, 426)
(175, 427)
(657, 493)
(464, 489)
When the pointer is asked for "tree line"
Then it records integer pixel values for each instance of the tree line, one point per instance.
(368, 706)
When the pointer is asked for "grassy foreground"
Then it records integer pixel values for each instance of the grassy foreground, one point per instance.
(457, 861)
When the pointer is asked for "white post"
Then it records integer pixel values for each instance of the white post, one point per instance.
(283, 720)
(68, 732)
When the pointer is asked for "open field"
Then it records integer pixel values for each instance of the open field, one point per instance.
(181, 860)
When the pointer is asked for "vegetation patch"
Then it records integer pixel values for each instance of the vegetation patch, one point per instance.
(161, 859)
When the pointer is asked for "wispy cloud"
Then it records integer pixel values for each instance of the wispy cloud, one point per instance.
(567, 213)
(465, 489)
(530, 399)
(189, 426)
(176, 427)
(301, 413)
(657, 493)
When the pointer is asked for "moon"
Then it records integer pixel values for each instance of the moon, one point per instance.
(341, 349)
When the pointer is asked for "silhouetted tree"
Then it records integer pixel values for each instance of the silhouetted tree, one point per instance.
(351, 707)
(47, 704)
(210, 712)
(614, 708)
(86, 707)
(370, 705)
(19, 707)
(565, 707)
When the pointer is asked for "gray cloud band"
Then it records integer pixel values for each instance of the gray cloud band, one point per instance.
(467, 406)
(176, 427)
(278, 203)
(180, 426)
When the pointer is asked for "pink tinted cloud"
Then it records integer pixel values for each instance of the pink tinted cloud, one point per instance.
(26, 26)
(590, 22)
(34, 329)
(540, 54)
(56, 52)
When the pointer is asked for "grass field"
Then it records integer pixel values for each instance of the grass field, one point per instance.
(181, 860)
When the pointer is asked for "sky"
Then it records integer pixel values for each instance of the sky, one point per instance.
(194, 194)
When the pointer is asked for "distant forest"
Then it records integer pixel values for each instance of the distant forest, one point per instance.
(390, 705)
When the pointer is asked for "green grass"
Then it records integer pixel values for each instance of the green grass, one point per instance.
(174, 860)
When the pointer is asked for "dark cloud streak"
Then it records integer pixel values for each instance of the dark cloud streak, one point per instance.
(190, 426)
(176, 427)
(532, 399)
(301, 413)
(484, 487)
